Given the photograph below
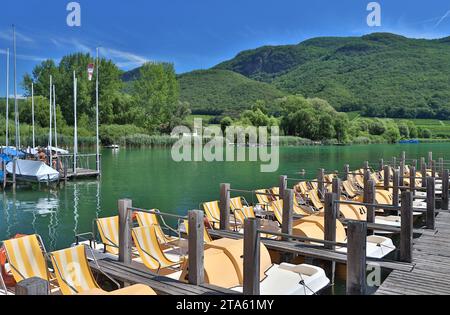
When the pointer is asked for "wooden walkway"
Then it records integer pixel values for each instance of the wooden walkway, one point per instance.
(138, 274)
(81, 173)
(431, 274)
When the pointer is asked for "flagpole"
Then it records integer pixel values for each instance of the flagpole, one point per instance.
(75, 132)
(32, 113)
(96, 111)
(7, 97)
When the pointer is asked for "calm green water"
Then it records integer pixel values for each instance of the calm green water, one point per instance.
(152, 180)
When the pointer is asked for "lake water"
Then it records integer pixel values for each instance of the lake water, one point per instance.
(153, 180)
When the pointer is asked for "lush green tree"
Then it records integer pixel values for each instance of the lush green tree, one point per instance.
(377, 127)
(404, 130)
(392, 134)
(225, 123)
(341, 127)
(157, 92)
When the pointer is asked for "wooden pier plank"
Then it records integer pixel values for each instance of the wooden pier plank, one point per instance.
(431, 275)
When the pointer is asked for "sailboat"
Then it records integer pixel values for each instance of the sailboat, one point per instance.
(25, 170)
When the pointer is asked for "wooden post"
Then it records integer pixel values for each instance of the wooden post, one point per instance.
(406, 233)
(282, 185)
(366, 165)
(321, 184)
(32, 286)
(4, 174)
(381, 165)
(356, 258)
(430, 160)
(412, 179)
(423, 169)
(125, 226)
(252, 258)
(396, 189)
(346, 172)
(431, 203)
(394, 161)
(369, 197)
(337, 188)
(387, 177)
(288, 210)
(441, 167)
(404, 157)
(14, 173)
(224, 207)
(367, 176)
(402, 173)
(445, 187)
(196, 247)
(330, 218)
(433, 169)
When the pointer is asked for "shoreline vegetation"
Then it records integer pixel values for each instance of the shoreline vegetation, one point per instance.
(141, 107)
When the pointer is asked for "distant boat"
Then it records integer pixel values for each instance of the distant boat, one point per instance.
(412, 141)
(33, 171)
(113, 146)
(57, 150)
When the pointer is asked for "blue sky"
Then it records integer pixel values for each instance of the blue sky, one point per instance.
(197, 34)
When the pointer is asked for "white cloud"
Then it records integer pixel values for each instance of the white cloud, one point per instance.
(24, 57)
(446, 15)
(8, 35)
(123, 59)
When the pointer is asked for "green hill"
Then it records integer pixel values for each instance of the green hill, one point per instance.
(222, 91)
(380, 74)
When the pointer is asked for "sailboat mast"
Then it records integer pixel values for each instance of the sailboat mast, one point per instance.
(32, 114)
(7, 97)
(96, 111)
(16, 103)
(54, 115)
(75, 125)
(50, 144)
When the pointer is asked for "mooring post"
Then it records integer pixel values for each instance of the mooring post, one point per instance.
(381, 165)
(430, 160)
(330, 218)
(412, 179)
(445, 187)
(14, 173)
(196, 247)
(423, 169)
(252, 258)
(414, 163)
(282, 185)
(404, 157)
(406, 230)
(367, 176)
(369, 198)
(4, 174)
(337, 183)
(402, 173)
(356, 258)
(441, 167)
(346, 172)
(387, 177)
(433, 169)
(224, 205)
(125, 226)
(320, 182)
(431, 203)
(32, 286)
(366, 165)
(331, 215)
(396, 189)
(288, 211)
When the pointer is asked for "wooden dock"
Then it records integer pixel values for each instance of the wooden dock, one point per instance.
(80, 174)
(138, 274)
(431, 273)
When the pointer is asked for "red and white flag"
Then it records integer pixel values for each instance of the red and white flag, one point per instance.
(91, 67)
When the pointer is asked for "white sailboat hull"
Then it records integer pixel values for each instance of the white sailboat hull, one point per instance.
(34, 171)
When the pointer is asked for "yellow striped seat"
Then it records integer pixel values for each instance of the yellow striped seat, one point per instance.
(150, 219)
(109, 233)
(240, 211)
(212, 211)
(206, 237)
(150, 250)
(26, 258)
(263, 199)
(72, 271)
